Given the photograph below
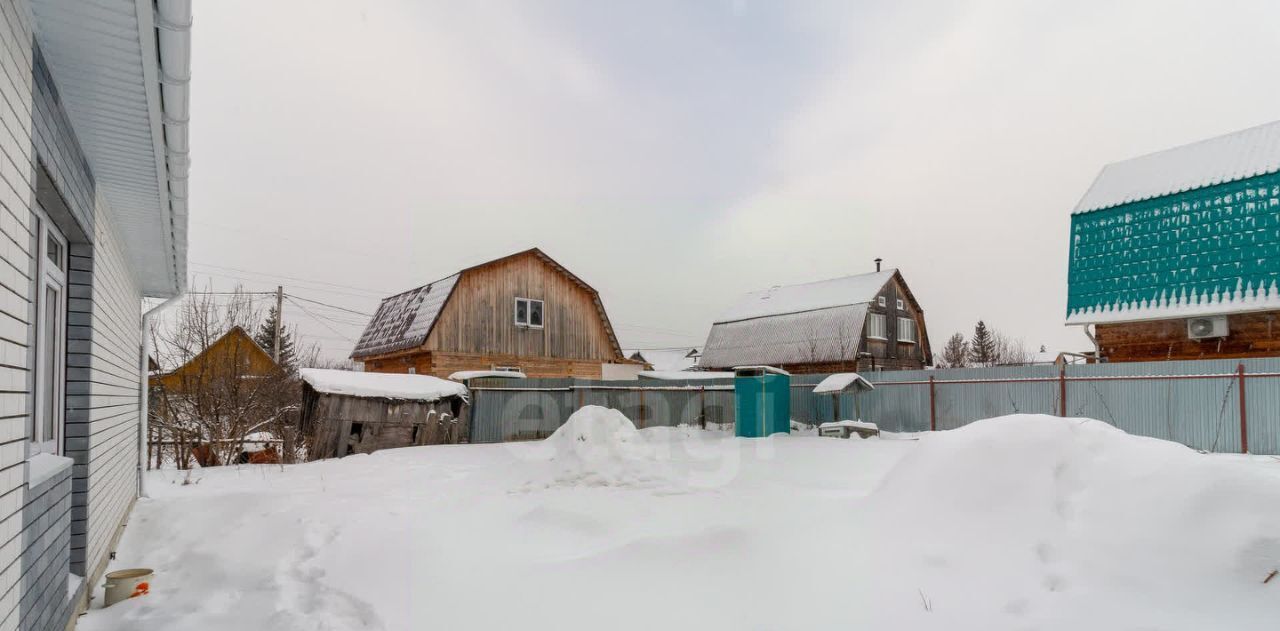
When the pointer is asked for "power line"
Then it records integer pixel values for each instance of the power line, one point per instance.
(367, 315)
(317, 319)
(375, 292)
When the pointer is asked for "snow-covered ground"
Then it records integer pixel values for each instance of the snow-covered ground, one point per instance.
(1021, 522)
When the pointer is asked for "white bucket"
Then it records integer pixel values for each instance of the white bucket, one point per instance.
(126, 584)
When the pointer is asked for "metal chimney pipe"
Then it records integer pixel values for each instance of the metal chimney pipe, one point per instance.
(878, 259)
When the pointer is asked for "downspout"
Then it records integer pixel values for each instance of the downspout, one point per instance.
(144, 406)
(172, 23)
(1097, 350)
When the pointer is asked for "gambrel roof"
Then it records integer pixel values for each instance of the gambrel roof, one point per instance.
(797, 324)
(404, 321)
(1193, 230)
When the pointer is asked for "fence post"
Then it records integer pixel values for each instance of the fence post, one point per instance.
(1062, 390)
(1244, 423)
(641, 415)
(702, 405)
(580, 394)
(933, 407)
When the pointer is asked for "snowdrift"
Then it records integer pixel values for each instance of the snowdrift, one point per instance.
(1076, 504)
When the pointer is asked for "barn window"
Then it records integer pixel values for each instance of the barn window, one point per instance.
(876, 326)
(900, 305)
(528, 312)
(906, 330)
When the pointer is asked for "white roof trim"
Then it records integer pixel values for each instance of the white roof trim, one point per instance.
(1228, 158)
(1242, 300)
(121, 68)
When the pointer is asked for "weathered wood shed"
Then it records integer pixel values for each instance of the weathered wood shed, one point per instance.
(345, 412)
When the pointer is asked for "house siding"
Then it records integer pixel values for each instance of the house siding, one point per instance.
(55, 536)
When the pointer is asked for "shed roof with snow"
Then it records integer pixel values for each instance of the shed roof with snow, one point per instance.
(796, 324)
(1192, 230)
(375, 385)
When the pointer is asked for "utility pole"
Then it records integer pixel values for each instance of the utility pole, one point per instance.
(275, 343)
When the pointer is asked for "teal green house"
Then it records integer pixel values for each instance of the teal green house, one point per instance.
(1189, 232)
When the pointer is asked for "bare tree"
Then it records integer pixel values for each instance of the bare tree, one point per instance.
(1010, 351)
(209, 401)
(956, 353)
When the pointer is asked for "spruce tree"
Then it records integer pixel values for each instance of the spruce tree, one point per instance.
(982, 347)
(265, 337)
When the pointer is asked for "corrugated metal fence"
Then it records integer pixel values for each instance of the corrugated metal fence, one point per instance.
(1196, 403)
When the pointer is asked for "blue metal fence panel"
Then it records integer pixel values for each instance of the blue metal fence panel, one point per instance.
(1201, 409)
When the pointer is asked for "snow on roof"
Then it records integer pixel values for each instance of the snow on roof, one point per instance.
(773, 370)
(1234, 156)
(676, 375)
(670, 359)
(463, 375)
(823, 335)
(823, 294)
(381, 385)
(841, 381)
(403, 320)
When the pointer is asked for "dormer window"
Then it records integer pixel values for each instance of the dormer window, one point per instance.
(880, 301)
(900, 305)
(528, 313)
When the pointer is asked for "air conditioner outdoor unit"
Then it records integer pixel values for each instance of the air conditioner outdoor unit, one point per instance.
(1207, 327)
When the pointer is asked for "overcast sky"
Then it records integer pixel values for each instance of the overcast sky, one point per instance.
(678, 154)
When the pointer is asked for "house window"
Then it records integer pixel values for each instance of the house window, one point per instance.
(880, 301)
(413, 370)
(48, 332)
(907, 330)
(876, 326)
(506, 368)
(900, 305)
(528, 313)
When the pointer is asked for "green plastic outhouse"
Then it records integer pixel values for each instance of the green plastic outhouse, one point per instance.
(762, 398)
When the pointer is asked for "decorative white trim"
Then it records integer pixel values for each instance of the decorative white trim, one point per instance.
(1245, 299)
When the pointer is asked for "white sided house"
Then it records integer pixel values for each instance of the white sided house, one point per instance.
(93, 219)
(855, 323)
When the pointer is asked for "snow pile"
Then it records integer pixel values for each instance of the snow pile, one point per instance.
(381, 385)
(1028, 507)
(599, 446)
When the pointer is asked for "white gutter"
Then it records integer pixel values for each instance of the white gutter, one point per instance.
(173, 41)
(144, 406)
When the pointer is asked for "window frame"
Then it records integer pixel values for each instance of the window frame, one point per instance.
(528, 313)
(880, 301)
(907, 324)
(901, 305)
(884, 327)
(48, 354)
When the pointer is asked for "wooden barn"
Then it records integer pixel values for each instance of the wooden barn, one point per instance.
(856, 323)
(1176, 254)
(345, 412)
(522, 312)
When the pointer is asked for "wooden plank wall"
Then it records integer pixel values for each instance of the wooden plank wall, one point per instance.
(444, 364)
(1251, 335)
(479, 316)
(383, 424)
(891, 354)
